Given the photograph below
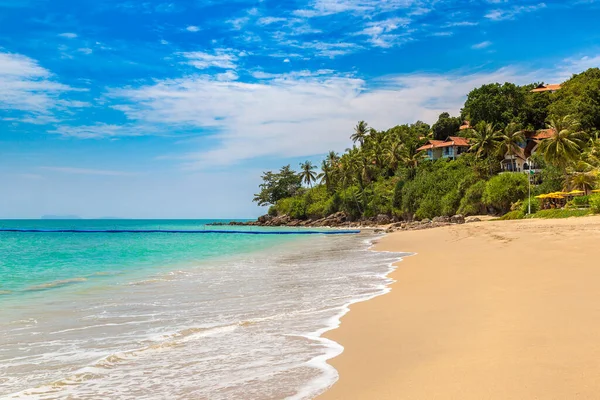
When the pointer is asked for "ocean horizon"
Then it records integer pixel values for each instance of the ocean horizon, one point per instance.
(175, 316)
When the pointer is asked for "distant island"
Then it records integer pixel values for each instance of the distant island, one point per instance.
(60, 217)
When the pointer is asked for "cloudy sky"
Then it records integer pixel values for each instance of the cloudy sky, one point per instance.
(171, 109)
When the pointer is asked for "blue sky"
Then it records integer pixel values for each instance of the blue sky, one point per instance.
(171, 109)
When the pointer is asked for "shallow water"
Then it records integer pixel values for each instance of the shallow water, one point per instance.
(231, 317)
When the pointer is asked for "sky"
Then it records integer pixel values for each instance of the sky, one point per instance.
(173, 109)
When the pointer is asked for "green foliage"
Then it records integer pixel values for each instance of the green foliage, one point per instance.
(580, 97)
(535, 205)
(551, 214)
(437, 189)
(495, 104)
(516, 214)
(579, 202)
(446, 126)
(595, 203)
(505, 189)
(277, 186)
(472, 201)
(272, 211)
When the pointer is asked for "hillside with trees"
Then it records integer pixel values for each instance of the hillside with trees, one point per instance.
(386, 173)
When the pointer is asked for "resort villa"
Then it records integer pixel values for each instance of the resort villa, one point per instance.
(516, 161)
(546, 88)
(451, 148)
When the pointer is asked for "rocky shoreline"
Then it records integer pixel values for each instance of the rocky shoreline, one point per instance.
(341, 220)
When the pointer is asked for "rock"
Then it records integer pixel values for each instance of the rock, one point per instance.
(425, 221)
(383, 219)
(441, 220)
(472, 219)
(264, 218)
(379, 231)
(457, 219)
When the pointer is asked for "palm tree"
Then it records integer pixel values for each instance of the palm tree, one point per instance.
(394, 154)
(326, 175)
(585, 181)
(484, 141)
(510, 140)
(361, 131)
(564, 147)
(307, 174)
(332, 159)
(410, 157)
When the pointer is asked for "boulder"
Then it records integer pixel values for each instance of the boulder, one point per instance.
(441, 219)
(383, 219)
(472, 219)
(457, 219)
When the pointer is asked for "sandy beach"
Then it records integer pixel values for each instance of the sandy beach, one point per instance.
(489, 310)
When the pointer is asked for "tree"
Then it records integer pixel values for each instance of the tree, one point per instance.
(484, 140)
(307, 173)
(445, 126)
(510, 140)
(326, 175)
(580, 97)
(361, 131)
(276, 186)
(505, 189)
(495, 103)
(564, 147)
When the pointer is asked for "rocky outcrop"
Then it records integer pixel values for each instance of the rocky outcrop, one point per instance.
(382, 223)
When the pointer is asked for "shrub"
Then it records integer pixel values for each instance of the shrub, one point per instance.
(595, 203)
(547, 214)
(272, 211)
(535, 205)
(505, 189)
(472, 202)
(516, 214)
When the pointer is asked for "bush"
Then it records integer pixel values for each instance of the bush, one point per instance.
(472, 202)
(547, 214)
(535, 205)
(272, 211)
(595, 203)
(437, 189)
(516, 214)
(505, 189)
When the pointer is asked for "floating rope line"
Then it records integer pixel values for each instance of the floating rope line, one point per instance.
(20, 230)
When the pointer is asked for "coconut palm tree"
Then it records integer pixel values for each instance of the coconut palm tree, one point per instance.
(326, 175)
(410, 157)
(393, 154)
(361, 131)
(585, 181)
(564, 147)
(307, 173)
(332, 159)
(510, 139)
(484, 141)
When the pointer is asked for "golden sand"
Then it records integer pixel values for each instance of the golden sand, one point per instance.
(491, 310)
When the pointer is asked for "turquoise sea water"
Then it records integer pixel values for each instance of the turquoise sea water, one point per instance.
(42, 261)
(175, 316)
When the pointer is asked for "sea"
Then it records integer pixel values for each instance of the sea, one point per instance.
(176, 316)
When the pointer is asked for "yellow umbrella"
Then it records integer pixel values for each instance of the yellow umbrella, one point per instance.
(576, 192)
(596, 191)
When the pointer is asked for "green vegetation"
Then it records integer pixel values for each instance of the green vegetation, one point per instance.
(385, 173)
(561, 213)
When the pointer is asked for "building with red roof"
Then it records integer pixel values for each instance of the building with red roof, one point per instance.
(452, 148)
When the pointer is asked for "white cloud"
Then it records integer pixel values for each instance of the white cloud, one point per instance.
(102, 131)
(28, 87)
(380, 32)
(86, 171)
(68, 35)
(512, 12)
(221, 58)
(192, 28)
(85, 50)
(319, 8)
(306, 113)
(271, 20)
(481, 45)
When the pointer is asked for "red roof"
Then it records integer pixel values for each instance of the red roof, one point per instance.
(546, 88)
(465, 125)
(544, 134)
(450, 142)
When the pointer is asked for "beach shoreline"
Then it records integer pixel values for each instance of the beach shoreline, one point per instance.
(495, 310)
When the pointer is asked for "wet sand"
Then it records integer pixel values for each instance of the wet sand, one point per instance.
(490, 310)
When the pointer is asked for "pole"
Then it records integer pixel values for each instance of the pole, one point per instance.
(529, 180)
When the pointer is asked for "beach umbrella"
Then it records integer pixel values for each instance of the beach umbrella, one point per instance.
(575, 192)
(596, 191)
